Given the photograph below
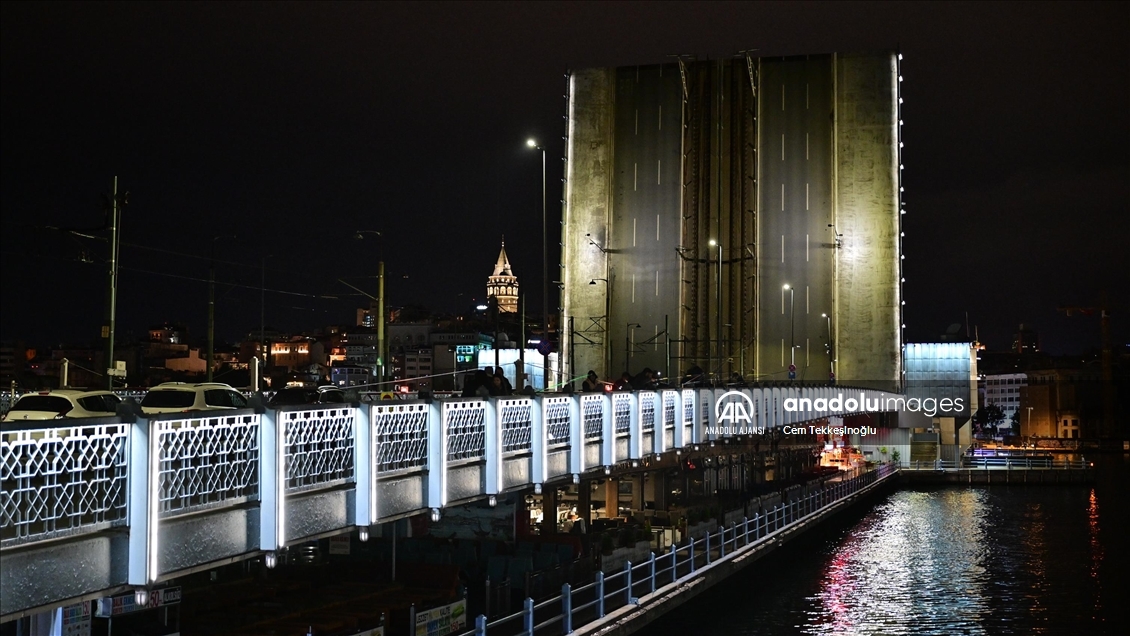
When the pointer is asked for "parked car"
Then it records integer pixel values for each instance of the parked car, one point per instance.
(63, 403)
(180, 397)
(295, 395)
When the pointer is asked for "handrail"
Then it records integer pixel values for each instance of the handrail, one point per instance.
(608, 598)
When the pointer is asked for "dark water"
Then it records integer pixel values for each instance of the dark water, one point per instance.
(953, 560)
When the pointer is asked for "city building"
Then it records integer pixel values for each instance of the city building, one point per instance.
(738, 215)
(1062, 403)
(1025, 340)
(502, 285)
(1004, 391)
(350, 375)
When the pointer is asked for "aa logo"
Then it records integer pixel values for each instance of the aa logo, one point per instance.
(733, 408)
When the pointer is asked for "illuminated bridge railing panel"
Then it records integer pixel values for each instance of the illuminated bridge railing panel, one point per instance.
(465, 423)
(206, 462)
(557, 420)
(400, 436)
(592, 415)
(622, 413)
(62, 480)
(669, 409)
(318, 447)
(647, 410)
(517, 423)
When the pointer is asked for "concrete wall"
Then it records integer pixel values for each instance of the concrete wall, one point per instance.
(867, 325)
(588, 191)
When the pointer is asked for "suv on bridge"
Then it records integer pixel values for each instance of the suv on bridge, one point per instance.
(63, 403)
(180, 397)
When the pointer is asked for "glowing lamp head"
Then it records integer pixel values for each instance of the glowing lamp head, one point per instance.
(712, 242)
(786, 287)
(531, 143)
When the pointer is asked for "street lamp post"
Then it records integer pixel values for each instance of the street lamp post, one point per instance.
(544, 260)
(628, 344)
(792, 326)
(263, 313)
(718, 292)
(360, 234)
(212, 304)
(607, 324)
(831, 358)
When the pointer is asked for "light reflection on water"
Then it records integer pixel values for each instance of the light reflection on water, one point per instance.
(884, 576)
(1020, 560)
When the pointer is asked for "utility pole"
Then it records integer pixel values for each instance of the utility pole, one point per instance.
(212, 305)
(108, 329)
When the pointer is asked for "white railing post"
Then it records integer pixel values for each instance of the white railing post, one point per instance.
(437, 458)
(635, 427)
(492, 446)
(364, 466)
(142, 507)
(272, 481)
(608, 425)
(538, 443)
(576, 438)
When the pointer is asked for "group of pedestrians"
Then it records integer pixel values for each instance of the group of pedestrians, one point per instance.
(646, 379)
(487, 382)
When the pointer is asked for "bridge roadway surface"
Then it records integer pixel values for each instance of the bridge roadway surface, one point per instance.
(94, 507)
(796, 246)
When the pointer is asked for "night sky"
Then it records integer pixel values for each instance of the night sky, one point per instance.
(291, 126)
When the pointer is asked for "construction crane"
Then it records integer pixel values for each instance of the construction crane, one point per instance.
(1107, 361)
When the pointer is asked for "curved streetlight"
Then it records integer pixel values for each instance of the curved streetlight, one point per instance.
(544, 255)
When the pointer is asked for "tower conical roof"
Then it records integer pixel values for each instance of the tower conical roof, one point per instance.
(502, 267)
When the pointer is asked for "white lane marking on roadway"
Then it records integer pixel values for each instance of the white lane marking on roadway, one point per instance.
(782, 248)
(782, 301)
(782, 197)
(806, 299)
(806, 196)
(656, 282)
(635, 176)
(659, 172)
(782, 97)
(657, 227)
(806, 146)
(782, 146)
(806, 240)
(633, 288)
(661, 117)
(633, 231)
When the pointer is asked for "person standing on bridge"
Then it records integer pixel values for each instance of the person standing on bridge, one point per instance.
(591, 383)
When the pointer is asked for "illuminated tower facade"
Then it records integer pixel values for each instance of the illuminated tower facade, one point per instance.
(503, 284)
